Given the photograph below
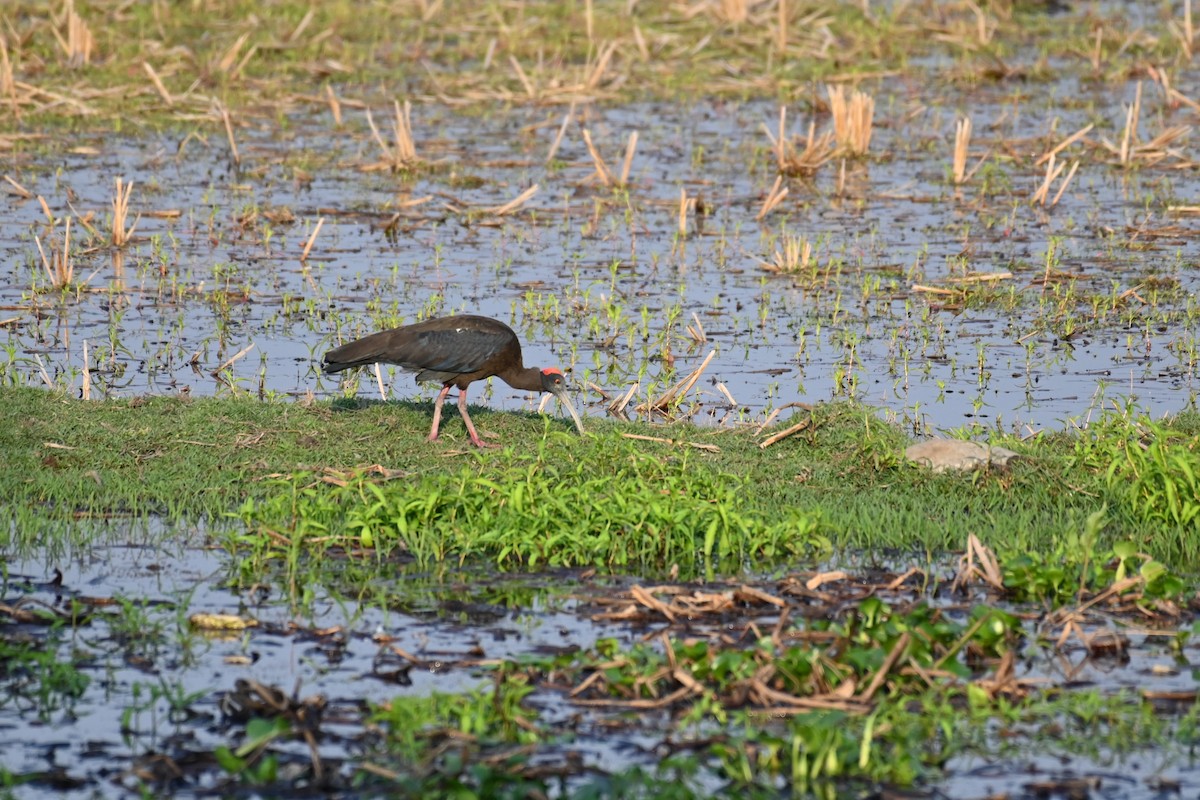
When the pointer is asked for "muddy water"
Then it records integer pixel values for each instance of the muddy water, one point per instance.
(601, 282)
(136, 659)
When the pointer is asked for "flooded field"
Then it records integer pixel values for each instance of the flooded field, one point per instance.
(146, 692)
(948, 306)
(849, 224)
(147, 688)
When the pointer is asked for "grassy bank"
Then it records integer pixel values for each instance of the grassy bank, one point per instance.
(360, 474)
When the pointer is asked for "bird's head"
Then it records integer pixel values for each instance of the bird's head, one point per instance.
(555, 382)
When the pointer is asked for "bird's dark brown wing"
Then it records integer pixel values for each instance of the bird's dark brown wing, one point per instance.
(438, 350)
(440, 355)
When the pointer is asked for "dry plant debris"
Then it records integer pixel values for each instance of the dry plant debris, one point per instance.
(853, 120)
(804, 158)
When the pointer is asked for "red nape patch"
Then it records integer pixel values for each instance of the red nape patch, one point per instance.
(552, 371)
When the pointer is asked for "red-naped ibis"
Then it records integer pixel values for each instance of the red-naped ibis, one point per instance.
(453, 351)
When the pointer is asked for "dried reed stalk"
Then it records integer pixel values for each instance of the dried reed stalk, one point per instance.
(42, 369)
(627, 165)
(770, 418)
(233, 150)
(922, 288)
(1052, 172)
(301, 26)
(962, 141)
(1130, 152)
(602, 171)
(817, 150)
(985, 27)
(709, 448)
(679, 389)
(120, 204)
(18, 189)
(774, 197)
(617, 407)
(779, 143)
(158, 84)
(724, 390)
(335, 105)
(1129, 135)
(516, 65)
(86, 392)
(60, 270)
(229, 362)
(639, 39)
(1064, 144)
(429, 10)
(79, 42)
(785, 433)
(986, 277)
(562, 131)
(1188, 31)
(8, 86)
(1185, 34)
(686, 205)
(403, 153)
(596, 73)
(853, 119)
(515, 203)
(696, 330)
(1160, 147)
(85, 220)
(781, 27)
(978, 562)
(227, 62)
(46, 210)
(797, 256)
(312, 239)
(733, 11)
(1065, 183)
(406, 146)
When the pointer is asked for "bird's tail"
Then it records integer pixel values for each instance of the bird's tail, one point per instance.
(359, 353)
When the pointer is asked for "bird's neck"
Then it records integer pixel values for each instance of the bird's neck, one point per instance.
(527, 378)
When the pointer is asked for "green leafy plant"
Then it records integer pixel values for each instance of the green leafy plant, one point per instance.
(40, 676)
(251, 761)
(1163, 477)
(645, 513)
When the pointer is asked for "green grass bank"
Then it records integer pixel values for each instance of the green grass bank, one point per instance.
(353, 474)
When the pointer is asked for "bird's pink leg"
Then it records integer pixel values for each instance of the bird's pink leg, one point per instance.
(437, 412)
(462, 407)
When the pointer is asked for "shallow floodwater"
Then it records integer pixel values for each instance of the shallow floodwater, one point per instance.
(600, 281)
(158, 686)
(136, 661)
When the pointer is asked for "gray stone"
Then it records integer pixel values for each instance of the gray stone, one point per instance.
(943, 454)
